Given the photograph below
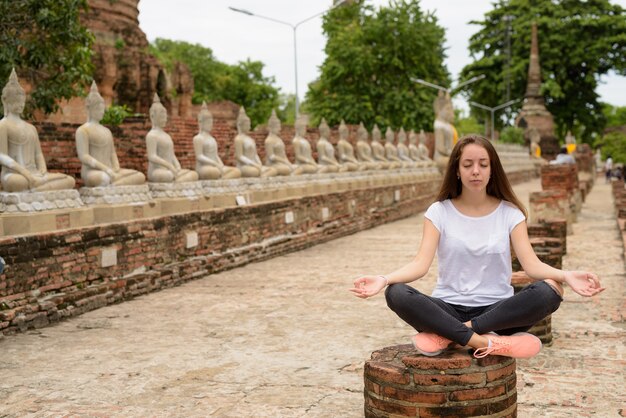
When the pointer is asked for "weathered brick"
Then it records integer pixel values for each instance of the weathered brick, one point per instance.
(481, 393)
(503, 372)
(449, 379)
(387, 372)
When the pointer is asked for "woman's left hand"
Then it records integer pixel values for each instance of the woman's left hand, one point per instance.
(367, 286)
(583, 283)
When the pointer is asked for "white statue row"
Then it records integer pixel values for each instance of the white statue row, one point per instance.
(24, 167)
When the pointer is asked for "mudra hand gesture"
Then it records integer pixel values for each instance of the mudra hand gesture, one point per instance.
(367, 286)
(583, 283)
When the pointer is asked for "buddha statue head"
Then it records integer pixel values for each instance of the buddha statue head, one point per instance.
(361, 133)
(13, 96)
(205, 119)
(273, 124)
(402, 136)
(243, 121)
(439, 104)
(376, 134)
(343, 130)
(95, 103)
(300, 126)
(412, 137)
(324, 129)
(158, 113)
(389, 135)
(422, 137)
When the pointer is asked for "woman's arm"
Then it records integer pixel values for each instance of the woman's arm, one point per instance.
(582, 282)
(367, 286)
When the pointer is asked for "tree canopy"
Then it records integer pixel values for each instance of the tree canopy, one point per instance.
(578, 41)
(243, 83)
(48, 47)
(371, 56)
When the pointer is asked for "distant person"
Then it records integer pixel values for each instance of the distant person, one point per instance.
(608, 168)
(563, 157)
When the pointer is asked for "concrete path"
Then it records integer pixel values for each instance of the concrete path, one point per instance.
(285, 338)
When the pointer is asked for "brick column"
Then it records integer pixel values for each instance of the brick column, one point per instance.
(399, 382)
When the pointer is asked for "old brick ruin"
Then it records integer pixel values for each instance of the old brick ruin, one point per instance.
(126, 73)
(399, 382)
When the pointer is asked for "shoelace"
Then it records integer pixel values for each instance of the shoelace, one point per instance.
(495, 346)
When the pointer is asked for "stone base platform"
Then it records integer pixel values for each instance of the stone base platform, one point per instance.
(32, 202)
(400, 382)
(115, 195)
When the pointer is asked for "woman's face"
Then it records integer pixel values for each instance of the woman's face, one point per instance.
(474, 167)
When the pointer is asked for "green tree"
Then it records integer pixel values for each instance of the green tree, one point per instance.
(613, 144)
(578, 41)
(46, 44)
(243, 83)
(615, 115)
(371, 56)
(512, 135)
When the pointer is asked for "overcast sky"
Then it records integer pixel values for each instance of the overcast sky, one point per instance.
(235, 37)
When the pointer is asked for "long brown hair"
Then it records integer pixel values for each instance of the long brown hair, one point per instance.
(498, 185)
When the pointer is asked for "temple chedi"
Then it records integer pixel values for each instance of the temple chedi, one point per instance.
(534, 114)
(124, 70)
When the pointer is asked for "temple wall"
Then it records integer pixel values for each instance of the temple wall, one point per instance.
(59, 274)
(59, 145)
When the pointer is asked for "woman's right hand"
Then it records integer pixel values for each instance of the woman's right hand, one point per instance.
(368, 286)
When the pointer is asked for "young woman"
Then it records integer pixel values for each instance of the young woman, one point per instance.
(475, 216)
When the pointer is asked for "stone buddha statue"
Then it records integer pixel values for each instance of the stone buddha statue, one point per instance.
(163, 166)
(302, 149)
(570, 142)
(364, 150)
(246, 156)
(535, 138)
(414, 151)
(391, 152)
(275, 155)
(345, 150)
(96, 149)
(445, 134)
(209, 165)
(23, 164)
(378, 149)
(423, 149)
(326, 152)
(403, 150)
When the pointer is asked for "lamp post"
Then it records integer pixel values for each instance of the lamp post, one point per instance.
(493, 111)
(448, 89)
(294, 27)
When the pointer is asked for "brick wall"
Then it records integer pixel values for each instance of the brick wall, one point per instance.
(55, 275)
(399, 382)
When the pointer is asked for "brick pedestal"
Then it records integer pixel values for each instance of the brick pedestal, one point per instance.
(399, 382)
(543, 328)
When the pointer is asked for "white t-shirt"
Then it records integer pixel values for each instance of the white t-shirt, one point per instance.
(474, 253)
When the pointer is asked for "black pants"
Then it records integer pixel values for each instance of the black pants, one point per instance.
(515, 314)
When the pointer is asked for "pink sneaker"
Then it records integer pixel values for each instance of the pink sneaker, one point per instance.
(430, 344)
(519, 345)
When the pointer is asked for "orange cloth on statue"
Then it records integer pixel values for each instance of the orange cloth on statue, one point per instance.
(538, 151)
(455, 135)
(570, 148)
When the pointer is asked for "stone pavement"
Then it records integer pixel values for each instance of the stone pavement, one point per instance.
(285, 338)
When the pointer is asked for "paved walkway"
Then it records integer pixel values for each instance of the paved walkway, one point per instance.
(285, 338)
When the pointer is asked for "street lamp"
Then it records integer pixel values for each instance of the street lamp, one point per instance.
(448, 89)
(493, 110)
(294, 27)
